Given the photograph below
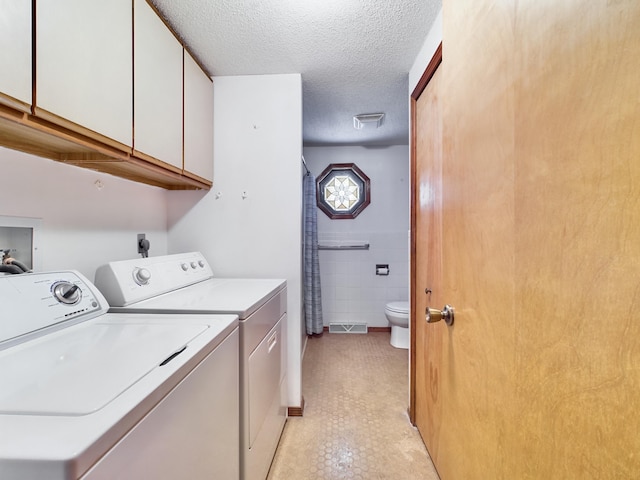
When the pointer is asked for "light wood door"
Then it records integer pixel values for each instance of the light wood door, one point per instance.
(428, 262)
(463, 203)
(538, 377)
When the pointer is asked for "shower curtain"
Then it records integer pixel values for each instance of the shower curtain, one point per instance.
(311, 264)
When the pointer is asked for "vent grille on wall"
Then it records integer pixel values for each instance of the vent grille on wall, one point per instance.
(348, 328)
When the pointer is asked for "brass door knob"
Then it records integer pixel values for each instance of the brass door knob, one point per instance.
(435, 315)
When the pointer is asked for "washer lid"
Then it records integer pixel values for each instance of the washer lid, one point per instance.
(398, 307)
(80, 369)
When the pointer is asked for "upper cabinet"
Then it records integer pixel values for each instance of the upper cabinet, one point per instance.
(173, 99)
(112, 90)
(157, 74)
(198, 120)
(84, 66)
(15, 54)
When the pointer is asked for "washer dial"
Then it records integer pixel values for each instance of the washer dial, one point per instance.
(66, 292)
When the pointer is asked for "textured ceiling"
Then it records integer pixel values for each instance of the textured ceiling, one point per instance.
(354, 55)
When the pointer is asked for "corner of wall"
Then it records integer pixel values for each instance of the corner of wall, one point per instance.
(431, 42)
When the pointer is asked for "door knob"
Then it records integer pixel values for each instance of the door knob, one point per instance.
(446, 314)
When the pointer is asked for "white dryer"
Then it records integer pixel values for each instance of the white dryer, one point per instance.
(185, 284)
(91, 395)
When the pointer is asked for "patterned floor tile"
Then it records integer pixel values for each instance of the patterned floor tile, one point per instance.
(355, 423)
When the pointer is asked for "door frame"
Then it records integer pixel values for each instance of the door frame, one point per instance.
(433, 65)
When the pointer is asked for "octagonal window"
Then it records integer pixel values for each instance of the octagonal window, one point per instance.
(342, 191)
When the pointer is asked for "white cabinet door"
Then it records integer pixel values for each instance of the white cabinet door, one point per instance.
(198, 120)
(15, 53)
(84, 64)
(157, 88)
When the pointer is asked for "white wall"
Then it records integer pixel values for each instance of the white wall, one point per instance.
(351, 291)
(431, 42)
(257, 152)
(82, 226)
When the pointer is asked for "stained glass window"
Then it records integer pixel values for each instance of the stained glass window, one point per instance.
(342, 191)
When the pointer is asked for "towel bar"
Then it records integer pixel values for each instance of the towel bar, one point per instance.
(361, 246)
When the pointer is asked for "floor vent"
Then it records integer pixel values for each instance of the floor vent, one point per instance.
(347, 328)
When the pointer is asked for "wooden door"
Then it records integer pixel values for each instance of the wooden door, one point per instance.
(538, 377)
(428, 261)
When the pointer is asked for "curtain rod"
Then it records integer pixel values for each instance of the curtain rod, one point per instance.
(304, 162)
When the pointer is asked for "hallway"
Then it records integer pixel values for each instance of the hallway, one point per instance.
(355, 423)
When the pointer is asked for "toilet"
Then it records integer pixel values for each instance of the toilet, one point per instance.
(398, 315)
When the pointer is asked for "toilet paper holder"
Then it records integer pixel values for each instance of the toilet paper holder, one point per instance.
(382, 269)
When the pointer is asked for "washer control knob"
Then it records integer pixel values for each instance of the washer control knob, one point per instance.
(141, 276)
(194, 265)
(184, 266)
(67, 293)
(201, 263)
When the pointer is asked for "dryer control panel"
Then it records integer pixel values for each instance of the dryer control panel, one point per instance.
(130, 281)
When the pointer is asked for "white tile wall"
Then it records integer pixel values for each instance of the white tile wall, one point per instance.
(351, 290)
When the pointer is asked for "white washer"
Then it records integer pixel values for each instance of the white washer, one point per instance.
(92, 395)
(184, 284)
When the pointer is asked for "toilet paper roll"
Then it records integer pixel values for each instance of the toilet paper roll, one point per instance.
(382, 271)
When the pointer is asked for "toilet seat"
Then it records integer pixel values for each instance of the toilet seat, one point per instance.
(398, 307)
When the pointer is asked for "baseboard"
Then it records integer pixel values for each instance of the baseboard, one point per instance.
(296, 411)
(380, 329)
(370, 329)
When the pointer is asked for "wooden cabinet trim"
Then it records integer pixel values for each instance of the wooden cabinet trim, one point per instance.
(37, 136)
(197, 178)
(74, 127)
(9, 101)
(155, 161)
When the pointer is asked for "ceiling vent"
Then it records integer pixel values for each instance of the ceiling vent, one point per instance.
(367, 120)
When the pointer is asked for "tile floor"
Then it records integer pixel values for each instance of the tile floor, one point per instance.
(355, 423)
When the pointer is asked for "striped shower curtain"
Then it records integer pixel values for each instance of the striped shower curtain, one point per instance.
(311, 264)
